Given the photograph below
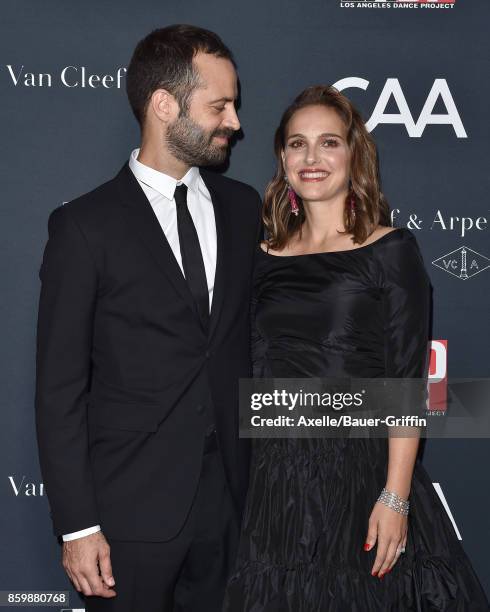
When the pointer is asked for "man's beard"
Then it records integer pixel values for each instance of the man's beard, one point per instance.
(189, 143)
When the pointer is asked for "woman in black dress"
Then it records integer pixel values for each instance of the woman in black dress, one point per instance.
(338, 293)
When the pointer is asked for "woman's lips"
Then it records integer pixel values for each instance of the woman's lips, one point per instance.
(313, 176)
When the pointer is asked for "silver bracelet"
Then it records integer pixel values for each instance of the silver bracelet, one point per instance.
(394, 501)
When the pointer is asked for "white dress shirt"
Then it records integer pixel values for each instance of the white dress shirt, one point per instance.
(159, 188)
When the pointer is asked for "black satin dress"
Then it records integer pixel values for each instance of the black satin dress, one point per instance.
(364, 313)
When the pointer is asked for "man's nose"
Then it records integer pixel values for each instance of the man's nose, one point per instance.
(231, 120)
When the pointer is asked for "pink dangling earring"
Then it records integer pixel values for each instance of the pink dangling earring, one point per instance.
(292, 198)
(352, 202)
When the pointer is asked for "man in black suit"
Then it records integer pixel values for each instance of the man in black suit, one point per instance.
(143, 333)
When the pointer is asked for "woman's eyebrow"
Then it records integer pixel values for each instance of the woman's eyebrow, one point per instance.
(324, 134)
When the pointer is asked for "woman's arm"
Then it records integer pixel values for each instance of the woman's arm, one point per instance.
(406, 290)
(402, 455)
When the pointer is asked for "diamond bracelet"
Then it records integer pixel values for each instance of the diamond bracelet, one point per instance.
(394, 501)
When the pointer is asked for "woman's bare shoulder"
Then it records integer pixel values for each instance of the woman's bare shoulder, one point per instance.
(264, 245)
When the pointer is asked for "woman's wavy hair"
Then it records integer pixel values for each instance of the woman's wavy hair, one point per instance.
(371, 207)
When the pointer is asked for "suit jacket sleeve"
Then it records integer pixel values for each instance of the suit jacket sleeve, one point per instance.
(64, 341)
(260, 225)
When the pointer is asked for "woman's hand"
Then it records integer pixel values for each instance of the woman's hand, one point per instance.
(389, 529)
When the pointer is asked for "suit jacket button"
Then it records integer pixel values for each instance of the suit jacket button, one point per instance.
(199, 409)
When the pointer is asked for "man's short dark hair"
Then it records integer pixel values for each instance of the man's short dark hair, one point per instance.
(163, 59)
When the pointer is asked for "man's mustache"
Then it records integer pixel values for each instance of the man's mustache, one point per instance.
(227, 132)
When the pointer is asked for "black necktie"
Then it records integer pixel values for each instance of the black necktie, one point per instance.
(190, 251)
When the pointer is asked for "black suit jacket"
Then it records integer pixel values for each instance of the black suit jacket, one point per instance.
(126, 375)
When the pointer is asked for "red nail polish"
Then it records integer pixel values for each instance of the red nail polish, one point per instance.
(374, 573)
(367, 546)
(381, 575)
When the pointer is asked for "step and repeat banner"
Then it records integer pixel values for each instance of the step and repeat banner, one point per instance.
(418, 72)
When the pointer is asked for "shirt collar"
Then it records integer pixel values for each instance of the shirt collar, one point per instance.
(159, 181)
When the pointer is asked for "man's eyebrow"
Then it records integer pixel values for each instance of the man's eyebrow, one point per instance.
(223, 100)
(324, 134)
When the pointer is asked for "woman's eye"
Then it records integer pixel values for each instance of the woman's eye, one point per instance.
(330, 142)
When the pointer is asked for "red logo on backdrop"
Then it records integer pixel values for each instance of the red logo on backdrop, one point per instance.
(438, 376)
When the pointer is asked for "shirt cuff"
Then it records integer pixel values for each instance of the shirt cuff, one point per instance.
(80, 534)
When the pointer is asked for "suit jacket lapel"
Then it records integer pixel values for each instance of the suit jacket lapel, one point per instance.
(221, 219)
(143, 218)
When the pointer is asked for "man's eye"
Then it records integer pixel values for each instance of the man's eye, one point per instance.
(220, 109)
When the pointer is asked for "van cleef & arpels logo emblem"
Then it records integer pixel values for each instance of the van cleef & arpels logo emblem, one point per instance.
(463, 263)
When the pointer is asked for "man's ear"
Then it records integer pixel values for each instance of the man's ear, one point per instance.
(163, 105)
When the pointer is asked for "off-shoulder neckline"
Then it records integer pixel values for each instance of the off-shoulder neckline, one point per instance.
(398, 230)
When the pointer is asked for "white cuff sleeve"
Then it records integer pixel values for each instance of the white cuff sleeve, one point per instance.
(80, 534)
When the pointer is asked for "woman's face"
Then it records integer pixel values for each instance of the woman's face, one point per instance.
(316, 156)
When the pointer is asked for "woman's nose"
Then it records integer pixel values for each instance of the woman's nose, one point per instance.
(311, 156)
